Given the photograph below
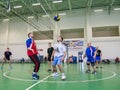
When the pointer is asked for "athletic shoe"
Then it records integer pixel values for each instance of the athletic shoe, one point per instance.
(88, 71)
(11, 67)
(55, 74)
(35, 76)
(97, 67)
(63, 77)
(49, 70)
(1, 67)
(94, 72)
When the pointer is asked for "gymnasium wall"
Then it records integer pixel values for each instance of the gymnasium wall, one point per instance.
(110, 46)
(110, 49)
(13, 33)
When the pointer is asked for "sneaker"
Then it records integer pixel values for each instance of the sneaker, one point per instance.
(1, 67)
(94, 72)
(97, 67)
(35, 76)
(63, 77)
(55, 74)
(88, 71)
(49, 70)
(101, 67)
(11, 67)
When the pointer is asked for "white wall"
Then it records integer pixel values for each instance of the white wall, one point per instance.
(3, 32)
(104, 19)
(75, 19)
(17, 32)
(2, 49)
(110, 49)
(110, 46)
(43, 44)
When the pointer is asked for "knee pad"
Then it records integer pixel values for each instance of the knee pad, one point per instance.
(92, 64)
(87, 63)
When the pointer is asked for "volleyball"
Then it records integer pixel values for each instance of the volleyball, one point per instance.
(57, 17)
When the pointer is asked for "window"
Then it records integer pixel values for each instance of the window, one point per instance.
(43, 35)
(107, 31)
(73, 33)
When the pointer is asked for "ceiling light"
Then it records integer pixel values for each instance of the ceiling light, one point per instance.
(62, 14)
(98, 10)
(35, 4)
(116, 8)
(45, 15)
(57, 1)
(17, 6)
(31, 17)
(6, 19)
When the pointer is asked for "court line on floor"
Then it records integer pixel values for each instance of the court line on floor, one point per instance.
(40, 81)
(4, 74)
(114, 74)
(27, 80)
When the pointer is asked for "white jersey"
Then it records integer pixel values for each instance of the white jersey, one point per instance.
(59, 49)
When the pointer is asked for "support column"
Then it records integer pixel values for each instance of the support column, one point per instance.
(7, 24)
(119, 30)
(56, 32)
(88, 29)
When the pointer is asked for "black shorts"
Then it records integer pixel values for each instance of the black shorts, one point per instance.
(7, 58)
(49, 58)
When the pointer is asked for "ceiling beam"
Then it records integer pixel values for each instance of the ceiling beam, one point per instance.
(112, 2)
(46, 12)
(28, 6)
(48, 6)
(110, 6)
(70, 6)
(36, 27)
(89, 4)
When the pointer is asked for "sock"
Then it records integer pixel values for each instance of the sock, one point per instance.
(63, 74)
(34, 73)
(55, 72)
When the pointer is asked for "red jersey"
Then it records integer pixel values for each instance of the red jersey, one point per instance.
(31, 47)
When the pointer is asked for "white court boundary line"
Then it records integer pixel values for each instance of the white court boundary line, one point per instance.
(82, 81)
(19, 79)
(28, 80)
(114, 74)
(4, 74)
(37, 83)
(43, 80)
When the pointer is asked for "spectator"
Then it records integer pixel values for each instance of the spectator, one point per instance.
(117, 60)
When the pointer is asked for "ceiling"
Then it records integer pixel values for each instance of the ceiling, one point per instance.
(8, 10)
(48, 7)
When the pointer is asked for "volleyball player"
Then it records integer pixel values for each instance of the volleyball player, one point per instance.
(98, 57)
(49, 52)
(32, 54)
(91, 54)
(59, 54)
(7, 56)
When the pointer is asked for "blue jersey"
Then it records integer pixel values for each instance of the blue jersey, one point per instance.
(90, 51)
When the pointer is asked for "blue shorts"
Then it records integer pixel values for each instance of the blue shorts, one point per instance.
(90, 60)
(98, 58)
(57, 61)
